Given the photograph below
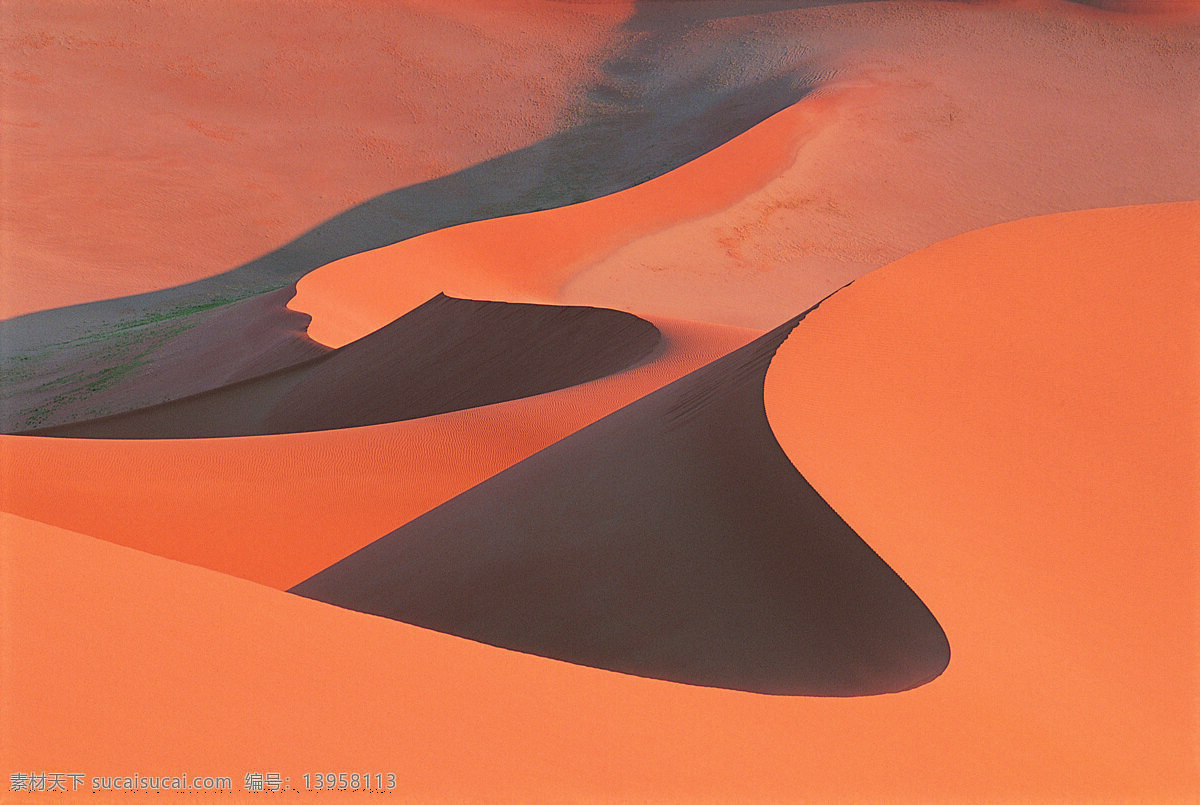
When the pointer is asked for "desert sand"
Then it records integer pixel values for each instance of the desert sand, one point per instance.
(484, 323)
(670, 539)
(233, 504)
(1051, 540)
(445, 355)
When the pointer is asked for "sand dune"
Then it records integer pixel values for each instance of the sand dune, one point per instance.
(997, 428)
(276, 509)
(671, 539)
(446, 355)
(531, 257)
(1009, 418)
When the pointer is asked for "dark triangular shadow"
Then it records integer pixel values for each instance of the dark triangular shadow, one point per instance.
(672, 539)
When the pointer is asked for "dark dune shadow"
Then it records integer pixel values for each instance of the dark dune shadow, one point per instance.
(672, 539)
(446, 355)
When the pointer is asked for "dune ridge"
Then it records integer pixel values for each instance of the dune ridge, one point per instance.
(638, 90)
(566, 566)
(671, 539)
(445, 355)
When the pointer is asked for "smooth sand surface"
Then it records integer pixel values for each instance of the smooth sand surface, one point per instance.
(1009, 418)
(277, 509)
(671, 539)
(445, 355)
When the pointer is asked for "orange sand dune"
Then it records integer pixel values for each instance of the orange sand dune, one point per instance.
(243, 125)
(1010, 419)
(446, 355)
(530, 257)
(938, 118)
(671, 539)
(895, 114)
(277, 509)
(120, 662)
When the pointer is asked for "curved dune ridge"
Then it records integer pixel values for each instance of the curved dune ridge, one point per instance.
(1010, 417)
(531, 257)
(446, 355)
(671, 539)
(776, 218)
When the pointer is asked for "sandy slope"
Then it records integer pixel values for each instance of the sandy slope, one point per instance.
(1064, 429)
(531, 257)
(171, 354)
(1035, 504)
(671, 539)
(445, 355)
(1009, 418)
(277, 509)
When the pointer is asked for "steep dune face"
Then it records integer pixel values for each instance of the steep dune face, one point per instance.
(672, 539)
(446, 355)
